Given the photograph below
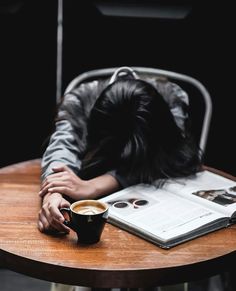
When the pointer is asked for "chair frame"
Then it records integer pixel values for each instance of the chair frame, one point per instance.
(106, 72)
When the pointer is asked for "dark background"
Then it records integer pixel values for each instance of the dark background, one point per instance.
(201, 45)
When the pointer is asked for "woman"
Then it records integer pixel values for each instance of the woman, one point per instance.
(112, 134)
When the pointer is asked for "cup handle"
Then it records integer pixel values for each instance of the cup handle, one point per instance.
(66, 221)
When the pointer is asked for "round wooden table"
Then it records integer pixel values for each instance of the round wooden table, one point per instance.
(119, 260)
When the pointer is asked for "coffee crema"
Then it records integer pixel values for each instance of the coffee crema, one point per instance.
(88, 209)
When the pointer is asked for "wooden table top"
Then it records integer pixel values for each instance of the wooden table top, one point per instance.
(119, 260)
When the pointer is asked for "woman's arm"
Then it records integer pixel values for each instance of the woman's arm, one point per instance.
(62, 149)
(66, 182)
(65, 185)
(68, 141)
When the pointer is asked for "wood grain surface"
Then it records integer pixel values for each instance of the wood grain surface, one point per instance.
(119, 260)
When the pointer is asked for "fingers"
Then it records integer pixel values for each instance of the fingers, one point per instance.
(50, 217)
(62, 182)
(50, 181)
(53, 187)
(61, 168)
(61, 175)
(47, 222)
(59, 189)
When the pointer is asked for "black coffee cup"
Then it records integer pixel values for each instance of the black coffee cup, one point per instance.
(87, 218)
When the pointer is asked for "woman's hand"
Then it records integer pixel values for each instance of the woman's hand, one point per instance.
(66, 182)
(50, 217)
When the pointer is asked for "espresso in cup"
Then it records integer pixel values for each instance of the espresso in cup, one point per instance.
(87, 218)
(88, 208)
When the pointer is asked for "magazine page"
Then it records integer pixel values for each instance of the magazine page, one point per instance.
(157, 212)
(209, 189)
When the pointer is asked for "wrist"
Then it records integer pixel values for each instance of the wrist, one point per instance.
(103, 185)
(49, 195)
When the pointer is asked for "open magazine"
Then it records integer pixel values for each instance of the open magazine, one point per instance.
(181, 210)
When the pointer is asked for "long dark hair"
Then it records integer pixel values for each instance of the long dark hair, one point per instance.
(131, 130)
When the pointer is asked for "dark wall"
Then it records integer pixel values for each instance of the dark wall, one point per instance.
(27, 69)
(200, 45)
